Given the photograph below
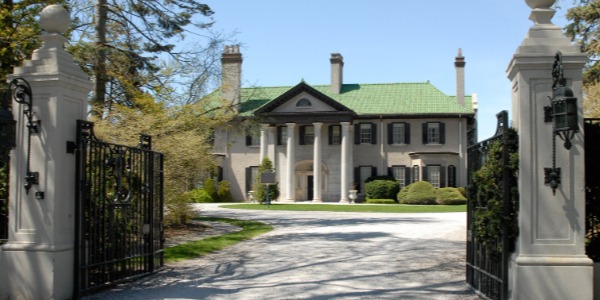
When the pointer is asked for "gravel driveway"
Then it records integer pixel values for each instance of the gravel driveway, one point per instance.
(322, 255)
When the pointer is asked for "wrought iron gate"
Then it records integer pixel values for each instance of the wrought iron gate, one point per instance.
(119, 207)
(487, 271)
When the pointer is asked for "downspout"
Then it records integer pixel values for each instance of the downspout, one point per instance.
(461, 157)
(382, 164)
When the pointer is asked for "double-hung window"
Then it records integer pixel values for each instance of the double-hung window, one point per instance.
(365, 133)
(434, 133)
(335, 135)
(253, 138)
(401, 174)
(398, 133)
(307, 135)
(281, 135)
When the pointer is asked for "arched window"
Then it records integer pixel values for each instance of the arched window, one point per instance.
(303, 103)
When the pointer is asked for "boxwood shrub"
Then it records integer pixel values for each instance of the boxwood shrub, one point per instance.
(450, 196)
(381, 189)
(199, 196)
(420, 192)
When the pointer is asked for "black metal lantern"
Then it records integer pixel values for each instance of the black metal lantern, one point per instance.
(8, 124)
(563, 115)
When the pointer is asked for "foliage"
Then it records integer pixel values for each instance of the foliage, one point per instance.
(178, 211)
(380, 177)
(137, 49)
(585, 29)
(420, 192)
(450, 196)
(398, 208)
(209, 185)
(382, 189)
(19, 32)
(224, 191)
(199, 196)
(198, 248)
(462, 191)
(380, 201)
(486, 195)
(260, 190)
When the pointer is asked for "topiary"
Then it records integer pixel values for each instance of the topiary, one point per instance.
(450, 196)
(381, 189)
(420, 192)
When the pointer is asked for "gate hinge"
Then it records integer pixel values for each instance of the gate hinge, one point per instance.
(71, 147)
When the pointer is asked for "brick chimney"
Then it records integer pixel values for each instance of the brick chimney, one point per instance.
(337, 72)
(459, 64)
(231, 75)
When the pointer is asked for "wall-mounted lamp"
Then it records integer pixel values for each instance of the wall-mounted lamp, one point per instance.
(21, 93)
(563, 115)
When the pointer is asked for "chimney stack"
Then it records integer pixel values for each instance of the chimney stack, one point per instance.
(459, 64)
(231, 76)
(337, 72)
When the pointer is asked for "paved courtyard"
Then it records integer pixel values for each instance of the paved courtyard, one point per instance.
(322, 255)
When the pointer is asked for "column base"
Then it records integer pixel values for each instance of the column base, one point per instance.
(345, 201)
(552, 277)
(317, 201)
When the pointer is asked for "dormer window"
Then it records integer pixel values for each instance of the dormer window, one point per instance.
(303, 103)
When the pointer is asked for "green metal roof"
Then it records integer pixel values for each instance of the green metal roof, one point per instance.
(370, 99)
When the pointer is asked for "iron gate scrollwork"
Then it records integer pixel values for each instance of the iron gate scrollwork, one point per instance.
(491, 214)
(119, 205)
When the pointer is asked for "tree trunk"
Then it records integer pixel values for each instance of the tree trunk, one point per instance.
(99, 99)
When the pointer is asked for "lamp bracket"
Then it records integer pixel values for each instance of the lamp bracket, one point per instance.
(552, 177)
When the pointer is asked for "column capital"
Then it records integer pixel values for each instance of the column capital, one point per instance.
(317, 124)
(290, 124)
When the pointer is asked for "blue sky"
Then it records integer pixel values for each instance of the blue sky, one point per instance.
(383, 41)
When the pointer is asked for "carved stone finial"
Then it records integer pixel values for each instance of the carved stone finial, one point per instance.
(55, 19)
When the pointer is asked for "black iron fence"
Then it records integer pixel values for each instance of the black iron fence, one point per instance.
(592, 188)
(119, 220)
(488, 248)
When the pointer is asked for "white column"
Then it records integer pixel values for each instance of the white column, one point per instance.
(317, 176)
(291, 160)
(550, 260)
(263, 142)
(344, 182)
(37, 262)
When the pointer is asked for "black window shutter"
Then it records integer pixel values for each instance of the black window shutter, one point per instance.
(302, 131)
(407, 176)
(407, 133)
(330, 136)
(390, 172)
(424, 133)
(442, 133)
(357, 178)
(248, 179)
(442, 177)
(373, 133)
(356, 134)
(220, 174)
(373, 171)
(279, 135)
(425, 175)
(248, 140)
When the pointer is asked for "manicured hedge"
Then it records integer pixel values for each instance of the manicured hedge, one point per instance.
(381, 201)
(381, 189)
(420, 192)
(450, 196)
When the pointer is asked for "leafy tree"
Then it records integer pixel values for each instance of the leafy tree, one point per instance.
(584, 28)
(136, 53)
(260, 190)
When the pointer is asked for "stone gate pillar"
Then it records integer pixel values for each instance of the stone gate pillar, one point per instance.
(549, 261)
(37, 261)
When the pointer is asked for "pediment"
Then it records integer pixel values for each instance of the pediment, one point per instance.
(302, 99)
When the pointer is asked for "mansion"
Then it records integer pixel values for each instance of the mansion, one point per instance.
(325, 140)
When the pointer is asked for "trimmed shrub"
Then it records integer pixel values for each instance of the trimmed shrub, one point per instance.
(224, 191)
(381, 189)
(381, 201)
(450, 196)
(420, 192)
(178, 211)
(380, 177)
(462, 191)
(199, 196)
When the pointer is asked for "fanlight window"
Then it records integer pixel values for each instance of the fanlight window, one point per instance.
(303, 103)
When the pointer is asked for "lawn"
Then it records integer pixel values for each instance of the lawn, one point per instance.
(198, 248)
(392, 208)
